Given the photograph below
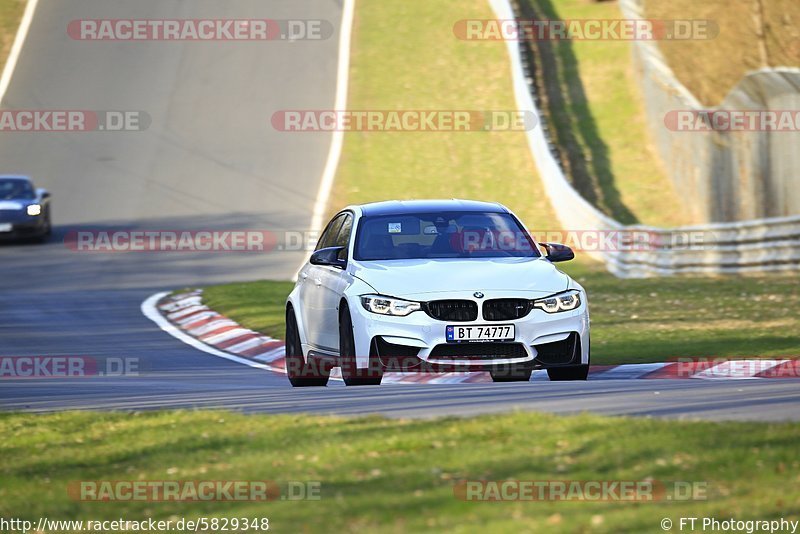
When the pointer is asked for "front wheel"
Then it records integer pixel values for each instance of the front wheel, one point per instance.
(511, 374)
(351, 374)
(301, 374)
(558, 374)
(578, 372)
(44, 236)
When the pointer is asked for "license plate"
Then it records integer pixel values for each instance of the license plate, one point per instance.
(481, 332)
(5, 227)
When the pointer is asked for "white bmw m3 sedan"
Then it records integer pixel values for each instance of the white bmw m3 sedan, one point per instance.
(434, 286)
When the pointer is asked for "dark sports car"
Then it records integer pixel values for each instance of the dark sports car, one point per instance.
(24, 210)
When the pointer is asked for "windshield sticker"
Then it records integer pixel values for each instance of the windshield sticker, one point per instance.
(395, 228)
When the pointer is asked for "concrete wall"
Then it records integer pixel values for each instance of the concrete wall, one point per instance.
(758, 245)
(723, 175)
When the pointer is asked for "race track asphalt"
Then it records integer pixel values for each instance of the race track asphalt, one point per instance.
(211, 160)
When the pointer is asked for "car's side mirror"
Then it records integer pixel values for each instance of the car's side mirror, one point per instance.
(558, 252)
(329, 256)
(43, 193)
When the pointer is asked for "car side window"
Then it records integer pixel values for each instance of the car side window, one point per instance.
(343, 238)
(329, 236)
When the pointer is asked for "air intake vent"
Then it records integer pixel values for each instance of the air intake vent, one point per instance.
(560, 352)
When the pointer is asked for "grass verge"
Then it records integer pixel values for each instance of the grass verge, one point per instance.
(704, 66)
(633, 321)
(383, 475)
(10, 15)
(405, 56)
(590, 98)
(259, 306)
(653, 320)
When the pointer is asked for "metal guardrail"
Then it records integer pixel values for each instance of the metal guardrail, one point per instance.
(759, 245)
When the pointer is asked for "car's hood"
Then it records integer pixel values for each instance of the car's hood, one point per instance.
(406, 278)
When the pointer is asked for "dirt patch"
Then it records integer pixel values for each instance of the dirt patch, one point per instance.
(711, 68)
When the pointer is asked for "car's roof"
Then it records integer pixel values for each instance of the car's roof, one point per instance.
(399, 207)
(14, 177)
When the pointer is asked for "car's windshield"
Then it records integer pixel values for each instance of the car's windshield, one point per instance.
(15, 189)
(466, 234)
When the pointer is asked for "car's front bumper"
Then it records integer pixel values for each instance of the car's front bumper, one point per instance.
(22, 226)
(540, 337)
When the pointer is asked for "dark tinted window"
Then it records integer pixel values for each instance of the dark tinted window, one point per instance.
(329, 236)
(343, 239)
(442, 235)
(11, 189)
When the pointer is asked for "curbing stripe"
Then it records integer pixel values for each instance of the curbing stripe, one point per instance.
(631, 371)
(150, 310)
(244, 345)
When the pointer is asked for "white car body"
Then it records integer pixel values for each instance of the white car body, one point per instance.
(322, 290)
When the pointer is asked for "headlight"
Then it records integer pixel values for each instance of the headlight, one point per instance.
(389, 305)
(569, 300)
(34, 209)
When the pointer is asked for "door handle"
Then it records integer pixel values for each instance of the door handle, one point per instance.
(317, 282)
(303, 275)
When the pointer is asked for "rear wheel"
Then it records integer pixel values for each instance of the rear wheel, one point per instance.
(351, 374)
(301, 374)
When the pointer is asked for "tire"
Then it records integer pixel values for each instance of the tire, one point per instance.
(352, 375)
(49, 230)
(512, 374)
(559, 374)
(301, 374)
(578, 372)
(44, 237)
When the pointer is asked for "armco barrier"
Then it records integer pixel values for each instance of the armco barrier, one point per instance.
(759, 245)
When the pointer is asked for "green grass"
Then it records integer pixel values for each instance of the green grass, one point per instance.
(10, 15)
(258, 305)
(593, 103)
(633, 321)
(380, 475)
(405, 56)
(653, 320)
